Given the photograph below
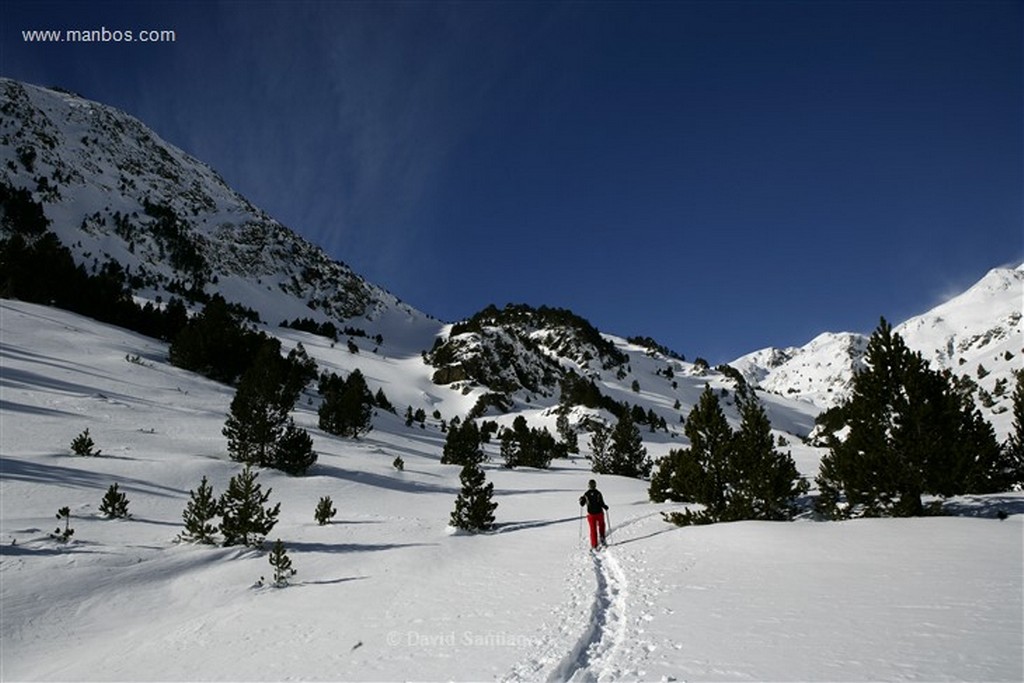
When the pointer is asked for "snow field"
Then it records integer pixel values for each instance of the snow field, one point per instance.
(386, 592)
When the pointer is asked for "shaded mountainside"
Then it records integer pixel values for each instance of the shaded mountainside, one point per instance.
(111, 189)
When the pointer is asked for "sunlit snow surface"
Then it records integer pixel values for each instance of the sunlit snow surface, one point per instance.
(387, 592)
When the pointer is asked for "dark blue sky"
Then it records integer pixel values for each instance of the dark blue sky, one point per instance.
(721, 176)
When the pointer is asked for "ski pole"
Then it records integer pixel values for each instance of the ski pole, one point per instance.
(608, 522)
(579, 536)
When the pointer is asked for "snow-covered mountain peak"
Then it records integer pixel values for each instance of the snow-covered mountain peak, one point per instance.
(112, 189)
(977, 334)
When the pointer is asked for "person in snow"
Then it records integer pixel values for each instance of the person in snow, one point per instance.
(595, 513)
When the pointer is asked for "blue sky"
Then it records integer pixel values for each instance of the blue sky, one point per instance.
(721, 176)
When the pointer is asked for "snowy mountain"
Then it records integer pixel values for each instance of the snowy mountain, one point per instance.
(387, 591)
(978, 334)
(113, 190)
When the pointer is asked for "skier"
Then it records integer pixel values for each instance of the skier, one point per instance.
(595, 513)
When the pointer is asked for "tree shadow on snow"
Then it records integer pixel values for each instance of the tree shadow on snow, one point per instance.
(301, 547)
(989, 506)
(645, 536)
(9, 407)
(527, 492)
(75, 547)
(506, 527)
(393, 482)
(157, 522)
(41, 472)
(331, 582)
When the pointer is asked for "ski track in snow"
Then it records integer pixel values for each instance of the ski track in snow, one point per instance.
(609, 602)
(595, 655)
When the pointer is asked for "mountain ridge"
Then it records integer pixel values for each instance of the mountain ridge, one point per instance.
(112, 188)
(977, 335)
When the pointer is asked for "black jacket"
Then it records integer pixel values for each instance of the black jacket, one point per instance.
(594, 502)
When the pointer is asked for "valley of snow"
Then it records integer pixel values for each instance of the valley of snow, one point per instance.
(387, 592)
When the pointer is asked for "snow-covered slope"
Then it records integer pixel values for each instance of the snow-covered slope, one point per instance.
(977, 334)
(820, 372)
(113, 189)
(385, 592)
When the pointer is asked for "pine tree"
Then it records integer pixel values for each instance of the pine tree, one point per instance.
(1013, 449)
(910, 431)
(293, 453)
(599, 441)
(282, 565)
(347, 409)
(698, 474)
(63, 535)
(509, 449)
(83, 444)
(259, 411)
(763, 483)
(382, 402)
(114, 503)
(300, 370)
(462, 445)
(202, 507)
(474, 510)
(325, 511)
(568, 435)
(245, 520)
(626, 454)
(215, 344)
(868, 468)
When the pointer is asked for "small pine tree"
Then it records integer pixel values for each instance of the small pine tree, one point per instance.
(63, 535)
(382, 402)
(202, 507)
(282, 565)
(324, 511)
(399, 464)
(245, 520)
(626, 455)
(259, 410)
(83, 444)
(114, 503)
(568, 435)
(293, 452)
(474, 510)
(599, 446)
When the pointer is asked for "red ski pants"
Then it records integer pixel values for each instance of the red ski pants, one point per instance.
(596, 522)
